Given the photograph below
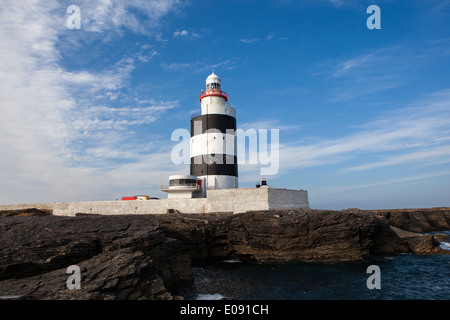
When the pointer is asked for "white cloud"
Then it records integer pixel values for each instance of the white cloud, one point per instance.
(182, 33)
(54, 131)
(441, 7)
(381, 69)
(323, 191)
(200, 66)
(433, 154)
(345, 67)
(186, 34)
(223, 64)
(176, 66)
(270, 36)
(243, 40)
(420, 134)
(110, 79)
(341, 3)
(204, 67)
(145, 55)
(268, 124)
(101, 15)
(337, 3)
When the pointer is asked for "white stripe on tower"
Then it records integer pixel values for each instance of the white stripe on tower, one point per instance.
(213, 138)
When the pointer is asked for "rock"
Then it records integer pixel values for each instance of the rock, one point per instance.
(417, 220)
(403, 233)
(313, 235)
(325, 236)
(424, 245)
(106, 276)
(389, 243)
(442, 237)
(409, 242)
(122, 257)
(279, 235)
(149, 256)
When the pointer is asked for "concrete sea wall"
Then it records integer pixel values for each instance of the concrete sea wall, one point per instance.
(222, 200)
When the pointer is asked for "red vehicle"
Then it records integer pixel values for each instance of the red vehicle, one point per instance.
(129, 198)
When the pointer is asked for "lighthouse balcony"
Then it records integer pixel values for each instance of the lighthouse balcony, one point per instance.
(213, 92)
(227, 109)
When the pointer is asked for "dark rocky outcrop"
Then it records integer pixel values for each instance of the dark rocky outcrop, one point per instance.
(317, 235)
(279, 235)
(146, 256)
(120, 257)
(416, 220)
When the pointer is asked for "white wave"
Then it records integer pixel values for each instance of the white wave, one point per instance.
(231, 261)
(214, 296)
(445, 245)
(9, 297)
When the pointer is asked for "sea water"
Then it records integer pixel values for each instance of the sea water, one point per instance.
(402, 277)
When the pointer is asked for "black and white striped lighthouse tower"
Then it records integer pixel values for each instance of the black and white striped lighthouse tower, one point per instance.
(213, 138)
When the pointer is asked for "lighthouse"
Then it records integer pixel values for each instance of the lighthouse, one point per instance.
(213, 138)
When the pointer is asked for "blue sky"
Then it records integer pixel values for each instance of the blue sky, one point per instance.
(363, 115)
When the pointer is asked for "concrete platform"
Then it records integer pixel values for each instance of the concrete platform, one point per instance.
(222, 200)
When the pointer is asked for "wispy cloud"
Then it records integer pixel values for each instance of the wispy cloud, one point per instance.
(337, 3)
(342, 3)
(420, 133)
(225, 64)
(268, 124)
(177, 65)
(441, 7)
(89, 82)
(243, 40)
(185, 34)
(369, 73)
(200, 66)
(99, 16)
(146, 53)
(429, 155)
(349, 66)
(386, 68)
(58, 125)
(385, 182)
(182, 33)
(270, 36)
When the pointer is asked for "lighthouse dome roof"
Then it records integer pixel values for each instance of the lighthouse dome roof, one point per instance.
(213, 78)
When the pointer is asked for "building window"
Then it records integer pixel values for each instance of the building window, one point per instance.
(213, 86)
(183, 182)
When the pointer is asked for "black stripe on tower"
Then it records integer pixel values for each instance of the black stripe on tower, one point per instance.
(207, 165)
(219, 122)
